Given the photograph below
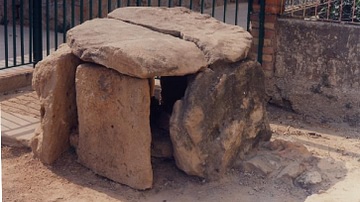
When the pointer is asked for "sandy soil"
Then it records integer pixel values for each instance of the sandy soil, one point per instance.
(336, 149)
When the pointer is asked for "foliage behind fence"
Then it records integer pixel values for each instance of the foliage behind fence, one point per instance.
(342, 11)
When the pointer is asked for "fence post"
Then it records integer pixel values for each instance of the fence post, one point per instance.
(37, 31)
(261, 31)
(263, 21)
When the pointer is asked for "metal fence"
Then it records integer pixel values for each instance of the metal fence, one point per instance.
(32, 29)
(341, 11)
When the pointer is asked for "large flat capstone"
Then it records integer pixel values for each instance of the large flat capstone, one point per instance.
(114, 126)
(218, 41)
(134, 50)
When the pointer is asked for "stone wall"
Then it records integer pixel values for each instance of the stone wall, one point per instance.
(317, 70)
(311, 68)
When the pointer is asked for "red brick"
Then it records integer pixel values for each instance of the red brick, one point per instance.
(267, 42)
(268, 66)
(274, 6)
(255, 33)
(253, 49)
(255, 41)
(255, 24)
(269, 34)
(269, 25)
(267, 58)
(273, 9)
(271, 18)
(272, 2)
(254, 17)
(253, 56)
(256, 7)
(268, 50)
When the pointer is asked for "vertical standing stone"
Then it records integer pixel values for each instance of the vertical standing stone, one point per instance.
(114, 126)
(54, 83)
(220, 118)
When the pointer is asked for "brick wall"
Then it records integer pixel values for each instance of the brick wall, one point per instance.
(272, 10)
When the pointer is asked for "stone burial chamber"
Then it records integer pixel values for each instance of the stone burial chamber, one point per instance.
(97, 94)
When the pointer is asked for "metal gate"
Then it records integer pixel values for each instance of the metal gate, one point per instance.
(32, 29)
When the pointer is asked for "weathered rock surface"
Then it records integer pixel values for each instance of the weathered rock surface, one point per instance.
(280, 159)
(221, 117)
(322, 83)
(218, 41)
(114, 128)
(308, 178)
(134, 50)
(54, 83)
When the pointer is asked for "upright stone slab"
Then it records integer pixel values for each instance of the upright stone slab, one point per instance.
(217, 40)
(114, 126)
(221, 117)
(54, 83)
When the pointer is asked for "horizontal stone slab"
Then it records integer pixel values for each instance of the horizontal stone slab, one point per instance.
(218, 41)
(134, 50)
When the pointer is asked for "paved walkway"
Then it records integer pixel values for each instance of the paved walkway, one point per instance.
(17, 129)
(19, 117)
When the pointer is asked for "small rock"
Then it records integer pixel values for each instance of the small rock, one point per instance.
(292, 170)
(308, 178)
(256, 188)
(339, 175)
(264, 164)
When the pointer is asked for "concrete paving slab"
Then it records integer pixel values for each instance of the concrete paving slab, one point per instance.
(17, 130)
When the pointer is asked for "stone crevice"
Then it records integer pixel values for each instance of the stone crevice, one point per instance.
(216, 40)
(174, 33)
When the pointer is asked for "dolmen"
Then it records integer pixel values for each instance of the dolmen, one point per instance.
(96, 93)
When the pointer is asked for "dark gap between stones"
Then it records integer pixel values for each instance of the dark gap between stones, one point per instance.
(171, 89)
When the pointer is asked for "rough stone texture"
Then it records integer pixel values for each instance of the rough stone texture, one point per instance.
(134, 50)
(221, 117)
(218, 41)
(280, 159)
(161, 146)
(307, 179)
(54, 83)
(318, 70)
(114, 128)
